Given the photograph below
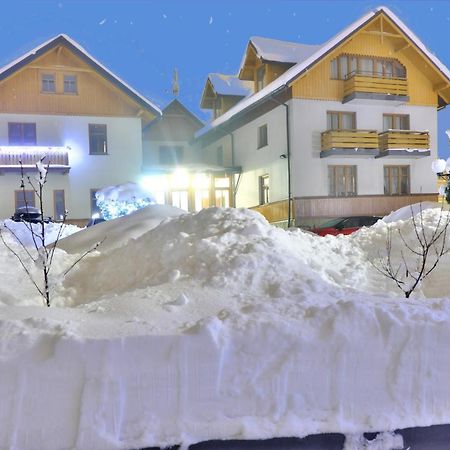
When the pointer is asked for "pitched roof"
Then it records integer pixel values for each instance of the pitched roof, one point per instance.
(274, 50)
(298, 69)
(230, 85)
(76, 48)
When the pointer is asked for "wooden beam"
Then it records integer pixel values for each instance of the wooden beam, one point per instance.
(58, 67)
(381, 28)
(384, 33)
(403, 47)
(441, 86)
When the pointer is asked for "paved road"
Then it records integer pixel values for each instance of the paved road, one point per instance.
(436, 437)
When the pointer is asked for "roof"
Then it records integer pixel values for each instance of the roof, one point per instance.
(298, 69)
(230, 85)
(274, 50)
(76, 48)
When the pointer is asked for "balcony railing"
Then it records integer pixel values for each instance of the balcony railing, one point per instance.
(12, 157)
(349, 139)
(370, 84)
(404, 140)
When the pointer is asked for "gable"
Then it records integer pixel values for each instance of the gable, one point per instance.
(379, 38)
(99, 93)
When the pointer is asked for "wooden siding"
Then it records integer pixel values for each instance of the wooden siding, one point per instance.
(375, 85)
(376, 205)
(276, 211)
(96, 96)
(403, 139)
(423, 79)
(30, 158)
(349, 139)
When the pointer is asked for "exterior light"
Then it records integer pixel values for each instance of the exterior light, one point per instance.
(439, 166)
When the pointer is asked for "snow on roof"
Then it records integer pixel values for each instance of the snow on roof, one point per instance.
(295, 71)
(230, 85)
(11, 67)
(282, 51)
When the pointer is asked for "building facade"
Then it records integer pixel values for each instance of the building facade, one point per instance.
(344, 128)
(59, 103)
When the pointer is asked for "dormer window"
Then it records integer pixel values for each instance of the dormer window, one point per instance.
(260, 74)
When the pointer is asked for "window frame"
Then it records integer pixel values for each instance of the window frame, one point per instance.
(393, 117)
(354, 64)
(43, 81)
(20, 192)
(388, 189)
(260, 77)
(351, 185)
(22, 141)
(264, 189)
(263, 136)
(340, 121)
(91, 128)
(75, 83)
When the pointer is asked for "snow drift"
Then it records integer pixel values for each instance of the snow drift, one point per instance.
(217, 325)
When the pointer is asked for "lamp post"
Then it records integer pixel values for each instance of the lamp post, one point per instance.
(442, 169)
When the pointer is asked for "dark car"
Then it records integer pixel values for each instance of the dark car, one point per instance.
(345, 225)
(29, 214)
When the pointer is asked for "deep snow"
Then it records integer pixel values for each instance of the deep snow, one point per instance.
(217, 325)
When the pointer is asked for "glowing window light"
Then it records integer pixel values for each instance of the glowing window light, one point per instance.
(154, 183)
(179, 179)
(201, 181)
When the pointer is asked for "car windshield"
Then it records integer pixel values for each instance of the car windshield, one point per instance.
(331, 223)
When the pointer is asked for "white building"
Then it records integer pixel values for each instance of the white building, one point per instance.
(59, 102)
(344, 128)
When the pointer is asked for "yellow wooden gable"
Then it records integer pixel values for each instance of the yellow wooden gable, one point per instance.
(98, 93)
(380, 37)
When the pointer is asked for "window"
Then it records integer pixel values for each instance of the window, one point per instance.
(346, 65)
(263, 189)
(22, 133)
(260, 74)
(24, 198)
(180, 199)
(97, 139)
(59, 204)
(220, 159)
(93, 200)
(262, 136)
(342, 181)
(70, 84)
(338, 120)
(396, 180)
(222, 192)
(48, 82)
(395, 122)
(171, 155)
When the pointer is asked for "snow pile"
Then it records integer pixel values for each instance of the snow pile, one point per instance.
(412, 210)
(218, 326)
(52, 229)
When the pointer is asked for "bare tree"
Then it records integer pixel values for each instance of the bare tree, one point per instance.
(40, 254)
(426, 250)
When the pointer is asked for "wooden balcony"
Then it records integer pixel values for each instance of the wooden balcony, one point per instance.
(404, 143)
(349, 142)
(12, 157)
(360, 86)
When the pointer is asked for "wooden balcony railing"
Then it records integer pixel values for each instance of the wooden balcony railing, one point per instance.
(404, 140)
(360, 82)
(349, 139)
(12, 156)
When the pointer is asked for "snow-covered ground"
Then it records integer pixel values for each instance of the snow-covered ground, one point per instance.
(217, 325)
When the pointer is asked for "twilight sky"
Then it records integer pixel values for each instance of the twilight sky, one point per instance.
(142, 41)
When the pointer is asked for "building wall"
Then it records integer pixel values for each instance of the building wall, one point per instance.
(122, 163)
(310, 172)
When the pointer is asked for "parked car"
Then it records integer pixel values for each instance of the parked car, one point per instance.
(344, 225)
(29, 214)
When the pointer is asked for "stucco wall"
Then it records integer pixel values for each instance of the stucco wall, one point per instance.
(121, 164)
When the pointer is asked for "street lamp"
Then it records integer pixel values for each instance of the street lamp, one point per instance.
(441, 168)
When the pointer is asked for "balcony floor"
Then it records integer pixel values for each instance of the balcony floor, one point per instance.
(368, 152)
(403, 153)
(375, 98)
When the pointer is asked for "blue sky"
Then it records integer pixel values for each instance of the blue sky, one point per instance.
(142, 41)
